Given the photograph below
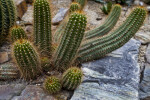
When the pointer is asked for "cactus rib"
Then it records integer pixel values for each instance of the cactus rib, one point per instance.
(102, 46)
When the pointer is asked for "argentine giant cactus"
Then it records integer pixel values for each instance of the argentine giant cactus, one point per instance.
(72, 78)
(70, 41)
(99, 47)
(107, 25)
(52, 85)
(17, 33)
(7, 17)
(27, 59)
(42, 26)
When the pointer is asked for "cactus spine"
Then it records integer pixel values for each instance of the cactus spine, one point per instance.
(99, 47)
(8, 71)
(70, 41)
(27, 59)
(7, 17)
(61, 28)
(107, 25)
(42, 26)
(52, 85)
(72, 78)
(17, 33)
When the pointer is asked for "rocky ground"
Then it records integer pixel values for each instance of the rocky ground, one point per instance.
(122, 75)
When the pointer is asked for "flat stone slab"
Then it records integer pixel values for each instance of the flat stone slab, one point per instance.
(115, 77)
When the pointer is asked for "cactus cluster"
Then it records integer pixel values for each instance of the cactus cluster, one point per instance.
(8, 71)
(17, 33)
(70, 41)
(72, 78)
(7, 17)
(27, 59)
(52, 85)
(99, 47)
(42, 26)
(71, 48)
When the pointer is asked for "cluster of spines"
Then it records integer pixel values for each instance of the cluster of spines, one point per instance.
(72, 78)
(70, 41)
(99, 47)
(42, 26)
(7, 17)
(27, 59)
(107, 25)
(52, 85)
(17, 33)
(81, 2)
(8, 71)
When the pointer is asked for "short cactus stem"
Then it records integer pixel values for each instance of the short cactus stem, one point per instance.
(8, 72)
(74, 7)
(17, 33)
(72, 78)
(99, 47)
(70, 41)
(7, 17)
(42, 26)
(52, 85)
(27, 59)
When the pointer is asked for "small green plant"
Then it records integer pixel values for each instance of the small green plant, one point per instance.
(70, 41)
(52, 85)
(107, 7)
(17, 33)
(27, 59)
(72, 78)
(81, 2)
(7, 18)
(8, 72)
(42, 26)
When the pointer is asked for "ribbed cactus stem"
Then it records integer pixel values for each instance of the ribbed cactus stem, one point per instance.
(72, 78)
(101, 46)
(42, 25)
(61, 28)
(7, 17)
(52, 85)
(27, 59)
(109, 24)
(70, 41)
(8, 71)
(17, 32)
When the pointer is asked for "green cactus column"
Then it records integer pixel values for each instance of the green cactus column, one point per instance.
(17, 32)
(27, 59)
(60, 29)
(7, 17)
(70, 41)
(97, 48)
(109, 24)
(42, 25)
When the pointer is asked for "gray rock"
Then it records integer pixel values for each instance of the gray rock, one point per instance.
(115, 77)
(9, 91)
(145, 83)
(33, 92)
(59, 16)
(148, 54)
(144, 37)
